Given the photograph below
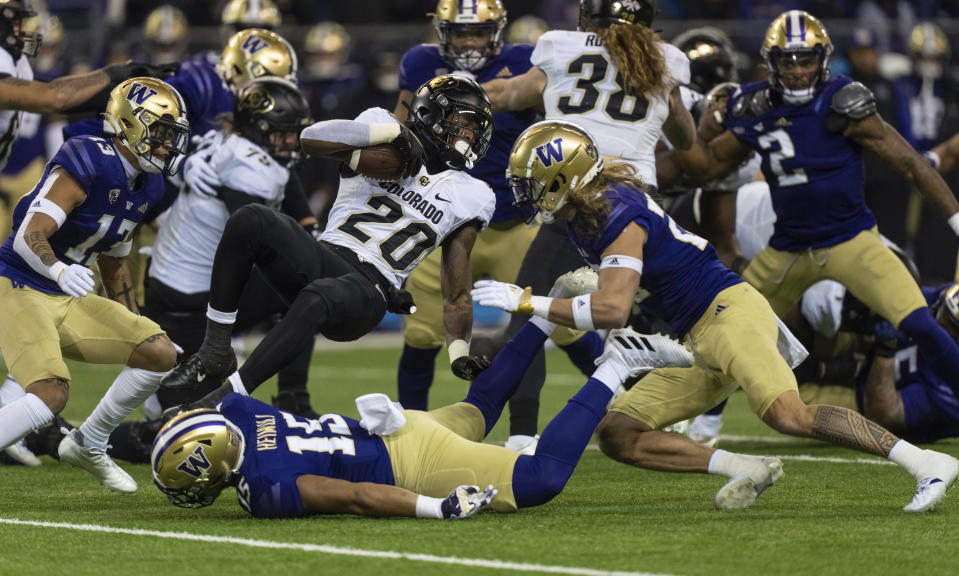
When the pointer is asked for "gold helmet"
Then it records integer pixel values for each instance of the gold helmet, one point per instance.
(148, 116)
(929, 49)
(243, 14)
(526, 30)
(327, 46)
(165, 32)
(254, 53)
(195, 456)
(792, 38)
(453, 17)
(549, 160)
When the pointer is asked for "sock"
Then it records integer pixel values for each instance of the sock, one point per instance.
(707, 424)
(906, 455)
(18, 418)
(584, 351)
(612, 374)
(414, 376)
(539, 478)
(494, 386)
(524, 404)
(10, 392)
(130, 389)
(936, 346)
(731, 464)
(236, 383)
(219, 333)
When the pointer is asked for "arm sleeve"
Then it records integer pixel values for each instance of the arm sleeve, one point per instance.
(295, 203)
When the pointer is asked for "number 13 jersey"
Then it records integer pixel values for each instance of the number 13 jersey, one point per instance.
(584, 87)
(395, 225)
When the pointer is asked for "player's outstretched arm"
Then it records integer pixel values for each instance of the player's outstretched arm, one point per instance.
(679, 126)
(874, 133)
(517, 93)
(946, 155)
(455, 277)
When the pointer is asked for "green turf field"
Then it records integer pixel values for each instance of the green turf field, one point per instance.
(834, 512)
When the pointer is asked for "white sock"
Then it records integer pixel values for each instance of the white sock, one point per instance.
(237, 384)
(18, 418)
(129, 390)
(543, 324)
(730, 464)
(10, 392)
(907, 455)
(612, 374)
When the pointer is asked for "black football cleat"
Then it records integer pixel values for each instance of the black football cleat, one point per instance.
(295, 402)
(196, 370)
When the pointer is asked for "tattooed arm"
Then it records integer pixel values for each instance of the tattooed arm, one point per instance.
(456, 279)
(117, 281)
(41, 222)
(50, 97)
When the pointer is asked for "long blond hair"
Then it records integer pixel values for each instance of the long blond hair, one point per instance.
(636, 53)
(590, 200)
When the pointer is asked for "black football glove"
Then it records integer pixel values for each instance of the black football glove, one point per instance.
(130, 69)
(412, 150)
(469, 367)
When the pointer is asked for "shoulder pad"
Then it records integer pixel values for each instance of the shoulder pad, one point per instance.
(751, 105)
(854, 101)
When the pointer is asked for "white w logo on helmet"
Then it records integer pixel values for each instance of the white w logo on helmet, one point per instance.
(140, 92)
(196, 464)
(547, 153)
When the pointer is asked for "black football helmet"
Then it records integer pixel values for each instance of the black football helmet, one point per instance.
(711, 57)
(453, 118)
(268, 108)
(13, 36)
(605, 13)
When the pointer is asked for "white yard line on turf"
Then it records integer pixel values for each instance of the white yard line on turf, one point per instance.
(323, 549)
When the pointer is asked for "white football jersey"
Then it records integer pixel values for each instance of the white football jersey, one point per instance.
(394, 225)
(582, 88)
(186, 243)
(10, 119)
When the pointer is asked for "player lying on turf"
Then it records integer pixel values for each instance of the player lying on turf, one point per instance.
(392, 463)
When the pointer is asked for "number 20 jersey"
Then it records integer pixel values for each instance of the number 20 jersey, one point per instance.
(584, 87)
(105, 218)
(816, 177)
(395, 225)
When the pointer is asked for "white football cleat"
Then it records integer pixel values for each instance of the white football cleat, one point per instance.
(72, 451)
(643, 352)
(576, 283)
(742, 491)
(525, 445)
(681, 427)
(939, 474)
(21, 454)
(704, 429)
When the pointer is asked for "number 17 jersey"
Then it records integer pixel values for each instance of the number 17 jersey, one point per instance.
(584, 87)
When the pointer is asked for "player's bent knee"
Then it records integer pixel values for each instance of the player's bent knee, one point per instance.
(155, 354)
(616, 433)
(53, 391)
(789, 415)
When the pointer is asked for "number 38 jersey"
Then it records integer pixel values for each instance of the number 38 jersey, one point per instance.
(280, 447)
(395, 225)
(105, 218)
(584, 87)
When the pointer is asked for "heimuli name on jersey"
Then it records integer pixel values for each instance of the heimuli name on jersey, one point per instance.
(415, 201)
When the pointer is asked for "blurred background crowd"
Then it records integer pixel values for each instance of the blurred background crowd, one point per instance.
(349, 54)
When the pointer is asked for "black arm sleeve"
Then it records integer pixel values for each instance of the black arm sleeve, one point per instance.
(295, 203)
(96, 103)
(234, 199)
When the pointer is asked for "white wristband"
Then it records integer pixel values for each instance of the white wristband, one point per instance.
(427, 507)
(384, 133)
(355, 159)
(933, 159)
(53, 272)
(583, 313)
(457, 349)
(540, 305)
(953, 222)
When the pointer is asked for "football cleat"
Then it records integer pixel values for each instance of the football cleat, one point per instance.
(576, 283)
(190, 374)
(939, 476)
(95, 462)
(295, 402)
(742, 491)
(705, 429)
(643, 352)
(19, 453)
(525, 445)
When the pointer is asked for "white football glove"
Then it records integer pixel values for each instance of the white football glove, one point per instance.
(464, 501)
(75, 280)
(639, 353)
(199, 175)
(507, 297)
(575, 283)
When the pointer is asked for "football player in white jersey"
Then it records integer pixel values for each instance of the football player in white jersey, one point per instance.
(342, 285)
(614, 77)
